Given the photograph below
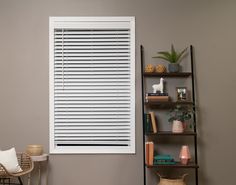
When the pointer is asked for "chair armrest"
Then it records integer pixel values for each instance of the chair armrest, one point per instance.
(3, 171)
(26, 164)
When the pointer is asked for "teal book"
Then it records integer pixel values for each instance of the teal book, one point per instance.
(163, 157)
(164, 162)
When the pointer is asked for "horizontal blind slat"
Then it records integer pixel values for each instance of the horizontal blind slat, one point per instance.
(79, 65)
(81, 141)
(92, 120)
(89, 32)
(90, 47)
(92, 58)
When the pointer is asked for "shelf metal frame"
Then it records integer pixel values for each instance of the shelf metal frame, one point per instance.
(193, 165)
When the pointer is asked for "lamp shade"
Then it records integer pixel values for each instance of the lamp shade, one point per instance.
(184, 155)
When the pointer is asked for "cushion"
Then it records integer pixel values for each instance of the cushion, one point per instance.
(9, 160)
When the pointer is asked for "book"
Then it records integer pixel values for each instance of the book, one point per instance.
(147, 123)
(164, 159)
(157, 94)
(157, 98)
(147, 153)
(151, 153)
(153, 121)
(164, 162)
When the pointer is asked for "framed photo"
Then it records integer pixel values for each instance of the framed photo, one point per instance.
(181, 93)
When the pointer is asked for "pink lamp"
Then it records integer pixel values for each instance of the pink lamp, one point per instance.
(184, 155)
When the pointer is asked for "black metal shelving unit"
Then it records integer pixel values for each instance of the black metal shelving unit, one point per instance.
(166, 105)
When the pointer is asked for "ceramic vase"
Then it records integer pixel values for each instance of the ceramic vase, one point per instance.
(177, 126)
(184, 155)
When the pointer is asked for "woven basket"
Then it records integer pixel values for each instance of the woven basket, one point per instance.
(164, 181)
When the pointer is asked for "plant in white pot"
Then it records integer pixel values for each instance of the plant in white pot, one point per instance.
(178, 116)
(173, 57)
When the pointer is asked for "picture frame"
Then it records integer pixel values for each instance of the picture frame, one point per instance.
(181, 93)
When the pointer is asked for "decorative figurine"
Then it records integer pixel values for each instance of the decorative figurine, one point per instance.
(160, 68)
(159, 87)
(149, 68)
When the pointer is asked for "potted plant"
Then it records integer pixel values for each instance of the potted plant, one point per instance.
(173, 57)
(178, 116)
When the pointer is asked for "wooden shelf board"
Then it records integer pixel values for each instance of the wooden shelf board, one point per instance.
(168, 103)
(177, 165)
(169, 133)
(180, 74)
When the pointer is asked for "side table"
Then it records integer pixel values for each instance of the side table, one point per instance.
(40, 159)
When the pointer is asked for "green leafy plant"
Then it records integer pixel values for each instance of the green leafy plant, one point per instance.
(180, 113)
(171, 56)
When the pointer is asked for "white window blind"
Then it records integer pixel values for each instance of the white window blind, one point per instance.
(92, 85)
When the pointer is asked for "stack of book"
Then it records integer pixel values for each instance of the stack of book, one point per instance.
(150, 122)
(157, 97)
(149, 149)
(164, 159)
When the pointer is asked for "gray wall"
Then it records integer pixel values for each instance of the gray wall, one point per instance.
(209, 25)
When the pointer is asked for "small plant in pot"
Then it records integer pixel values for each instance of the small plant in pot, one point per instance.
(178, 116)
(173, 57)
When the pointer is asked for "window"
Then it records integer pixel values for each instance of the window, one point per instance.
(92, 85)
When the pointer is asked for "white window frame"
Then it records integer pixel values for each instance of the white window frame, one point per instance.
(75, 22)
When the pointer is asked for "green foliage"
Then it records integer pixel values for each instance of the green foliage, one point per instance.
(180, 113)
(173, 56)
